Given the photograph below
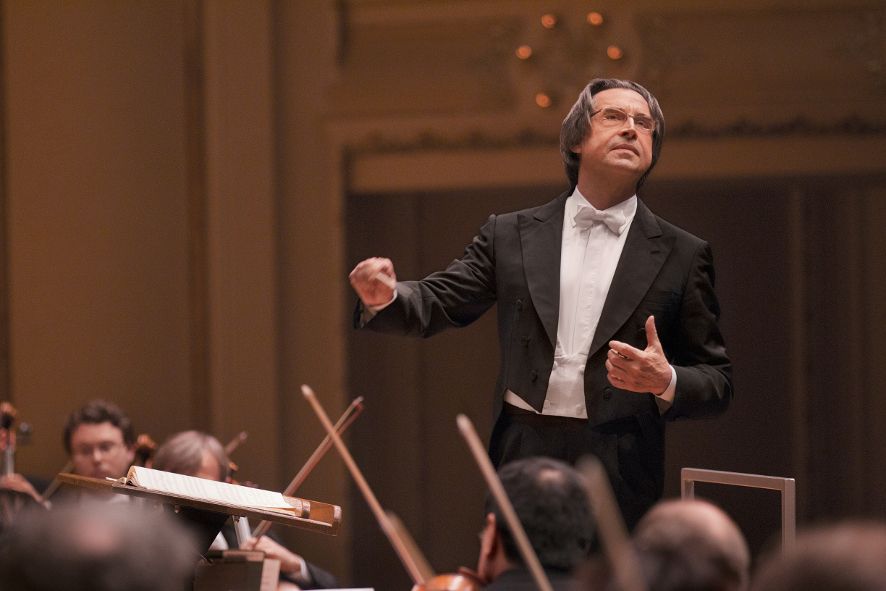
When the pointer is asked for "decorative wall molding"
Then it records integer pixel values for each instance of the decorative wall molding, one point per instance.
(852, 125)
(431, 140)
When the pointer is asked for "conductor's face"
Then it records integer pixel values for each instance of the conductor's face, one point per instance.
(98, 451)
(619, 139)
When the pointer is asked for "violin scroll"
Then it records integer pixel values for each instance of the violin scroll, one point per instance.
(144, 449)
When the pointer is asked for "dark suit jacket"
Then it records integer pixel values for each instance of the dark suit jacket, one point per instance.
(515, 262)
(520, 579)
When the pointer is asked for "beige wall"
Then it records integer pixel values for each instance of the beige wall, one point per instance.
(97, 215)
(183, 184)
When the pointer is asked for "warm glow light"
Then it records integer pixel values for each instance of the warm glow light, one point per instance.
(614, 52)
(595, 19)
(524, 52)
(543, 100)
(549, 21)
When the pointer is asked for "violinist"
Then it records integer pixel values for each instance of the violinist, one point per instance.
(100, 440)
(552, 505)
(194, 453)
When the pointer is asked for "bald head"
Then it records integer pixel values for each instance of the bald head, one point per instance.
(719, 550)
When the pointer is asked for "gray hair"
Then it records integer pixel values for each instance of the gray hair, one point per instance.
(183, 453)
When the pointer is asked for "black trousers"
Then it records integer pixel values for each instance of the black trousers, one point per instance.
(522, 434)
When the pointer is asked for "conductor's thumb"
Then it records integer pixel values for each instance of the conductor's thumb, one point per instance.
(652, 341)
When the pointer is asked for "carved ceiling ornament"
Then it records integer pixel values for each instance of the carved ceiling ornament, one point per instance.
(721, 71)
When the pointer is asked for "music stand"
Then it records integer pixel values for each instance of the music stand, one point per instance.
(786, 486)
(205, 517)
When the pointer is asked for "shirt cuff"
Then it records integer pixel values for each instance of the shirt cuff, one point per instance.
(367, 313)
(666, 398)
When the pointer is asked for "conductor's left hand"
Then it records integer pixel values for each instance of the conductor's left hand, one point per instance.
(639, 370)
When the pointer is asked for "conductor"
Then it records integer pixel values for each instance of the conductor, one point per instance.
(607, 316)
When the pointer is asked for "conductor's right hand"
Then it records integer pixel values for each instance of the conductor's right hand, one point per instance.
(374, 281)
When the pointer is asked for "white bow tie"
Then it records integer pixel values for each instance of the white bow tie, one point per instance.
(587, 215)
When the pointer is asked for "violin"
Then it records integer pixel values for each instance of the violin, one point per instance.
(463, 580)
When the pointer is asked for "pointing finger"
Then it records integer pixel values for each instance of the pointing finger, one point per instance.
(624, 350)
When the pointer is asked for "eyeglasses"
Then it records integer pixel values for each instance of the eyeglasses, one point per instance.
(104, 448)
(612, 117)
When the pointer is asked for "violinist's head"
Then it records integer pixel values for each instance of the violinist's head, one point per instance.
(552, 506)
(193, 453)
(100, 440)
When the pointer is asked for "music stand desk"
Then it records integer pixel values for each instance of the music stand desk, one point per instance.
(314, 516)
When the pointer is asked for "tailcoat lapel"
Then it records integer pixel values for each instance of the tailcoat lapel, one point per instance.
(641, 259)
(541, 237)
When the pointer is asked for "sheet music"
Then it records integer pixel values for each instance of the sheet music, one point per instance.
(201, 488)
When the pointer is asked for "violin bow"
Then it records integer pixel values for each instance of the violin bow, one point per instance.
(234, 443)
(56, 483)
(344, 421)
(616, 543)
(466, 427)
(410, 563)
(412, 549)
